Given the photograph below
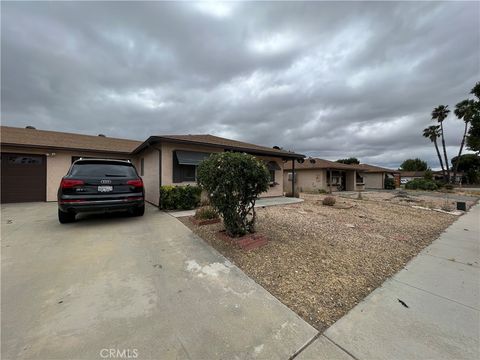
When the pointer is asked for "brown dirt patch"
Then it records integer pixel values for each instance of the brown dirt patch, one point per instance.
(321, 260)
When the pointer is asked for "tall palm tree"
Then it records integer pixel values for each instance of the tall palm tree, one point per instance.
(433, 133)
(464, 110)
(440, 113)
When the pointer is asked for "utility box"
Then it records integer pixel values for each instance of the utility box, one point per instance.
(461, 205)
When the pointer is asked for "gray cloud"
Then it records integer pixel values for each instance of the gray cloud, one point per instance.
(326, 79)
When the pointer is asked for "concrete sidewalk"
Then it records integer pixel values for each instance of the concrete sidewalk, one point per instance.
(429, 310)
(272, 201)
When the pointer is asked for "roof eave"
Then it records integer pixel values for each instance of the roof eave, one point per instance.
(154, 139)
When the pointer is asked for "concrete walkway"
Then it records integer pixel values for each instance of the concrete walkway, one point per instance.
(146, 287)
(272, 201)
(429, 310)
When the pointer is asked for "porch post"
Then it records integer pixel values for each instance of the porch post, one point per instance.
(331, 179)
(293, 177)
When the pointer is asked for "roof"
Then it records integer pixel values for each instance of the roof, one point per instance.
(412, 173)
(62, 140)
(216, 141)
(316, 163)
(373, 168)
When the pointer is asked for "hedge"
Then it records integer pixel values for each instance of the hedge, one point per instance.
(421, 184)
(179, 197)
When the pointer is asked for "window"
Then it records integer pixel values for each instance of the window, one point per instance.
(185, 165)
(359, 179)
(24, 160)
(272, 176)
(142, 166)
(102, 169)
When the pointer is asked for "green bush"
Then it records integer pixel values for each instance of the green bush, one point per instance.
(206, 213)
(329, 201)
(389, 183)
(322, 191)
(233, 182)
(421, 184)
(428, 174)
(179, 197)
(449, 186)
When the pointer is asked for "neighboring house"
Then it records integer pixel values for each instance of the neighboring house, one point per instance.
(374, 176)
(34, 161)
(406, 176)
(318, 174)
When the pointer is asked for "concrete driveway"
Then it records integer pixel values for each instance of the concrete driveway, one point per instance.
(124, 287)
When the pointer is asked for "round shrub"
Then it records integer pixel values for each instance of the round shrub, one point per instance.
(179, 197)
(421, 184)
(233, 182)
(206, 213)
(449, 186)
(329, 201)
(389, 183)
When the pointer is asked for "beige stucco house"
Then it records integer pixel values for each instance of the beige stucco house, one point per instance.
(316, 174)
(34, 161)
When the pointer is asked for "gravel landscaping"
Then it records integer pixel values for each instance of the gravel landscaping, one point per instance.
(441, 201)
(322, 260)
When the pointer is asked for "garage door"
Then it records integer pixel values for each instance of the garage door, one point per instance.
(23, 178)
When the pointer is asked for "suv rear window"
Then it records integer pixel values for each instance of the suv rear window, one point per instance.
(103, 170)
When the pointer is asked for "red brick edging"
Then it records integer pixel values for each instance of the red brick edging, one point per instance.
(246, 242)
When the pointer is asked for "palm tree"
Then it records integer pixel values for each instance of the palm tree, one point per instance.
(465, 111)
(440, 113)
(433, 133)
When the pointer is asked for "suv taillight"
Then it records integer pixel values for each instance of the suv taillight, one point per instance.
(70, 183)
(136, 183)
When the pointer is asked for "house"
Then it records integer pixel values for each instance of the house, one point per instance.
(319, 174)
(34, 161)
(406, 176)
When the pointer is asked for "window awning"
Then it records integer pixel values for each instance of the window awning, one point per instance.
(272, 165)
(190, 157)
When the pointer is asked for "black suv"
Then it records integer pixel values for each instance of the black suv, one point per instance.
(100, 185)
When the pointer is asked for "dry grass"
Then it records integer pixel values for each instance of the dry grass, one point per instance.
(322, 260)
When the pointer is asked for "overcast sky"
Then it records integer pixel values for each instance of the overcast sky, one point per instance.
(325, 79)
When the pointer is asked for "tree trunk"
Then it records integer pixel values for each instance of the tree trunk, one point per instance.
(439, 157)
(445, 154)
(460, 153)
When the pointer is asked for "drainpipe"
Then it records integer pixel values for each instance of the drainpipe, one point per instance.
(159, 173)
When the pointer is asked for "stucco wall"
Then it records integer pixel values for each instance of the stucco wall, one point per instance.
(307, 180)
(151, 174)
(373, 180)
(167, 166)
(58, 163)
(351, 181)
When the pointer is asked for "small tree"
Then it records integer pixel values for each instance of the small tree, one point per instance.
(350, 160)
(233, 182)
(414, 165)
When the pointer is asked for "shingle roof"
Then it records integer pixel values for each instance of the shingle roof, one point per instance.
(216, 141)
(62, 140)
(412, 173)
(373, 168)
(316, 163)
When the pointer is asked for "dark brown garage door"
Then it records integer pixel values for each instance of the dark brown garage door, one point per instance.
(23, 178)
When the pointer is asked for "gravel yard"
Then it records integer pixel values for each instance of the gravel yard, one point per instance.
(321, 261)
(443, 201)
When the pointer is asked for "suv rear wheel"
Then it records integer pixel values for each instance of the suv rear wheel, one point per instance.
(138, 211)
(65, 217)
